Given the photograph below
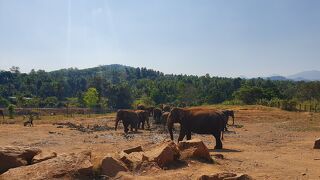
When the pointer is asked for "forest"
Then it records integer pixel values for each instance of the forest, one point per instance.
(111, 87)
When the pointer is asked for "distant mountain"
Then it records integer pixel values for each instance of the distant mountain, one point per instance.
(277, 78)
(302, 76)
(306, 76)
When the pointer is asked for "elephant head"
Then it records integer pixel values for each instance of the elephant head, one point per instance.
(176, 115)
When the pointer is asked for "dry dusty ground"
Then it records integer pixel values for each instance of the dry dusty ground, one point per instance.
(266, 143)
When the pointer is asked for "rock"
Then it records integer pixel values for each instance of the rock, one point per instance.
(135, 149)
(240, 177)
(225, 176)
(65, 166)
(132, 160)
(15, 156)
(127, 176)
(194, 148)
(164, 154)
(43, 156)
(110, 166)
(219, 156)
(317, 144)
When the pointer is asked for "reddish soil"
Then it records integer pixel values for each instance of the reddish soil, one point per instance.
(265, 143)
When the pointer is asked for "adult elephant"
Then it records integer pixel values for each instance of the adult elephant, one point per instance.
(157, 115)
(198, 121)
(228, 113)
(129, 118)
(143, 116)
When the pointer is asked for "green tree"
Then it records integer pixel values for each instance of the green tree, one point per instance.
(3, 102)
(144, 100)
(51, 101)
(249, 95)
(91, 97)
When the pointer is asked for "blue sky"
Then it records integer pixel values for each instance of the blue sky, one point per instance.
(219, 37)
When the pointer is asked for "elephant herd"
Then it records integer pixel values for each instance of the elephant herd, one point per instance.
(191, 120)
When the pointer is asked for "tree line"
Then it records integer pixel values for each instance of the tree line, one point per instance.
(116, 87)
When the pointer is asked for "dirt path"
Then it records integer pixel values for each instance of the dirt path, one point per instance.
(272, 144)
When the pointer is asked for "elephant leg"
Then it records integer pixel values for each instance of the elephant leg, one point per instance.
(135, 127)
(143, 122)
(181, 135)
(188, 135)
(126, 129)
(217, 136)
(148, 124)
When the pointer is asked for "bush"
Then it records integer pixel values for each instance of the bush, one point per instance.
(11, 110)
(233, 102)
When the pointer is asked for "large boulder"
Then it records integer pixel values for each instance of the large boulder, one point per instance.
(132, 160)
(43, 156)
(65, 166)
(317, 144)
(164, 154)
(111, 166)
(15, 156)
(194, 148)
(225, 176)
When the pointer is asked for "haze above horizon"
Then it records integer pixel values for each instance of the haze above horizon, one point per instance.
(223, 38)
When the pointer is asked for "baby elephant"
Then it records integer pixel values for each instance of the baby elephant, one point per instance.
(29, 122)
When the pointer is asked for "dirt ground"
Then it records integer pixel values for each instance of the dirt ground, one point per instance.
(266, 143)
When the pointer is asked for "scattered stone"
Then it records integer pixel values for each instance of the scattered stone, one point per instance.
(164, 154)
(81, 128)
(65, 166)
(225, 176)
(240, 177)
(110, 166)
(317, 144)
(16, 156)
(128, 176)
(219, 156)
(43, 156)
(135, 149)
(194, 148)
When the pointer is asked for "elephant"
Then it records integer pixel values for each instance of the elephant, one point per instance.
(166, 108)
(2, 114)
(228, 113)
(150, 110)
(164, 117)
(198, 121)
(157, 115)
(143, 116)
(29, 122)
(141, 107)
(128, 117)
